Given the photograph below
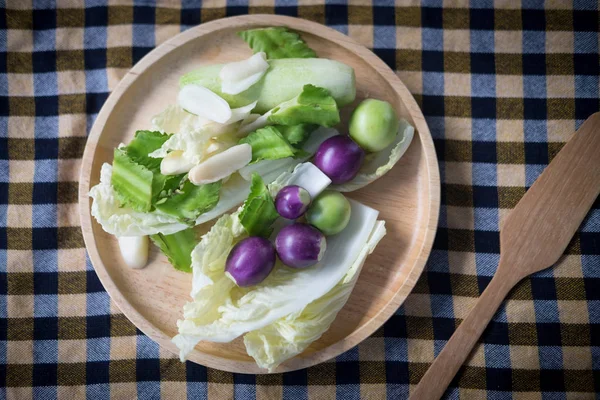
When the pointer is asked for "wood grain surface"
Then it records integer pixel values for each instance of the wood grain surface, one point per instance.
(532, 238)
(408, 197)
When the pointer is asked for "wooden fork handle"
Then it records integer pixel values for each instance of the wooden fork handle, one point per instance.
(439, 375)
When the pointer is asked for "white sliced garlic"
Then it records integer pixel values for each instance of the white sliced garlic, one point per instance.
(214, 147)
(175, 163)
(134, 250)
(237, 87)
(240, 75)
(241, 113)
(205, 103)
(221, 165)
(258, 123)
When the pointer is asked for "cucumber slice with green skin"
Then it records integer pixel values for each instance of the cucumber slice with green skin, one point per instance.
(283, 81)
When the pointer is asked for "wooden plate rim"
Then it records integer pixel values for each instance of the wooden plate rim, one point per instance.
(299, 25)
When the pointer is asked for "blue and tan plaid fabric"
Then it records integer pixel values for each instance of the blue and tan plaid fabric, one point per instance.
(502, 86)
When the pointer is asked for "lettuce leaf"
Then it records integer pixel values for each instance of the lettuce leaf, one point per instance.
(136, 176)
(177, 247)
(378, 164)
(121, 220)
(233, 193)
(144, 143)
(132, 182)
(314, 105)
(296, 134)
(190, 201)
(258, 212)
(292, 334)
(277, 42)
(268, 144)
(285, 291)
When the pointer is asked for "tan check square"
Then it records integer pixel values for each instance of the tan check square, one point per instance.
(420, 351)
(19, 261)
(21, 306)
(408, 38)
(67, 214)
(509, 86)
(71, 260)
(560, 86)
(457, 84)
(20, 84)
(510, 130)
(463, 305)
(520, 311)
(362, 34)
(457, 40)
(577, 358)
(70, 82)
(20, 352)
(72, 351)
(69, 38)
(19, 393)
(460, 217)
(508, 42)
(165, 32)
(72, 305)
(560, 130)
(123, 390)
(568, 266)
(560, 42)
(573, 311)
(511, 175)
(19, 215)
(22, 127)
(524, 357)
(412, 80)
(123, 347)
(462, 263)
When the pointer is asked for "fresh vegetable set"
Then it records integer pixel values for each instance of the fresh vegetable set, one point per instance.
(257, 132)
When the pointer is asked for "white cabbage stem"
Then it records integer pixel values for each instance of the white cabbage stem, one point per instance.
(239, 76)
(205, 103)
(309, 177)
(175, 163)
(134, 250)
(221, 165)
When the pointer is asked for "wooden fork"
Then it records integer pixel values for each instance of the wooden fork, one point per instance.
(533, 237)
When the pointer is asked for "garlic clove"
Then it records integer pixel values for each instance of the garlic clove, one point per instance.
(237, 87)
(221, 165)
(241, 75)
(134, 250)
(204, 103)
(239, 70)
(241, 113)
(174, 163)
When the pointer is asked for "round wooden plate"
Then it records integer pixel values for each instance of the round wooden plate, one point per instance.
(407, 197)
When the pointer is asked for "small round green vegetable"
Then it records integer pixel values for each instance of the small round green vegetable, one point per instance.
(329, 212)
(374, 125)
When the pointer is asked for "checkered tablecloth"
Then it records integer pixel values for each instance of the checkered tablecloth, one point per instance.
(502, 86)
